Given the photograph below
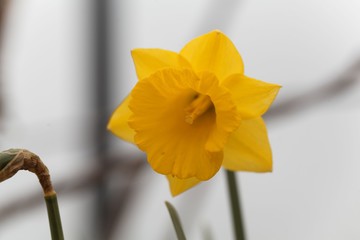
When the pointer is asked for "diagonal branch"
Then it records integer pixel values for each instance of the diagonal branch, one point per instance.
(335, 88)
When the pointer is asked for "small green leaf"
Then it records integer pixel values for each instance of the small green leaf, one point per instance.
(176, 221)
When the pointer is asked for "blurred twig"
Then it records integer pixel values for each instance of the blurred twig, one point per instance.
(117, 165)
(3, 11)
(102, 204)
(3, 7)
(318, 95)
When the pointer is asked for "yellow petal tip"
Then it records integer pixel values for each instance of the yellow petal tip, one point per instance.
(178, 186)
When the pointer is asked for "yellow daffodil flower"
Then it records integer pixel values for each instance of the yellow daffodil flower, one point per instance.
(195, 111)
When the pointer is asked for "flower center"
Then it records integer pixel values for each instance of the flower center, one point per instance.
(198, 106)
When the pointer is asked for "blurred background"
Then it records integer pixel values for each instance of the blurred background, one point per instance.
(65, 66)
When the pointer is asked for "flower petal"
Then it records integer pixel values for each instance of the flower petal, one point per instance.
(173, 146)
(148, 61)
(118, 123)
(248, 148)
(178, 186)
(213, 52)
(252, 97)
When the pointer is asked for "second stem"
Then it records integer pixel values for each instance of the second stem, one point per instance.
(235, 206)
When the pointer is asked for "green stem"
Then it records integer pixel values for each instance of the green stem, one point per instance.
(176, 221)
(235, 205)
(54, 217)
